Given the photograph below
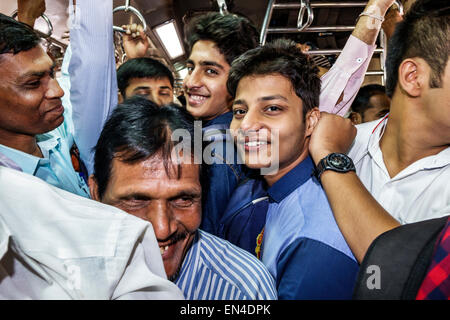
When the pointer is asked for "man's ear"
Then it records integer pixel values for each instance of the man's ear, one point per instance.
(355, 117)
(412, 76)
(93, 188)
(312, 118)
(120, 98)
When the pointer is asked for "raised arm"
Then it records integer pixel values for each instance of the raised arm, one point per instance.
(93, 90)
(29, 10)
(342, 82)
(135, 41)
(359, 216)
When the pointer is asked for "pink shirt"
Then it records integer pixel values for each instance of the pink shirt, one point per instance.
(346, 75)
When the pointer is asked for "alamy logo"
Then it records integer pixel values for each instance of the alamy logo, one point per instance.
(374, 280)
(253, 149)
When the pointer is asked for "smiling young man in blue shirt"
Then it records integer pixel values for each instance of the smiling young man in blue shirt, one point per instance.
(276, 90)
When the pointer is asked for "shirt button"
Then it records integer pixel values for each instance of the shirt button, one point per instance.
(359, 60)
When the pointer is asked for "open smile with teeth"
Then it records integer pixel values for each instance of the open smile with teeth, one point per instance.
(255, 143)
(163, 249)
(197, 98)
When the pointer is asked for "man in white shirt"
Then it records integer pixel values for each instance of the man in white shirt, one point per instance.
(57, 245)
(404, 159)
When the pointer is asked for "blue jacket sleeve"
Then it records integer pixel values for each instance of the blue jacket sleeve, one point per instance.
(311, 270)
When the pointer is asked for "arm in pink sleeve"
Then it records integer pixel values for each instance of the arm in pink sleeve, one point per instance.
(346, 76)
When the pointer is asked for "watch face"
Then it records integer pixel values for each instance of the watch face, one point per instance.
(339, 161)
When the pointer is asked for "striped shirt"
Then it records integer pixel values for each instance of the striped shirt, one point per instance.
(215, 269)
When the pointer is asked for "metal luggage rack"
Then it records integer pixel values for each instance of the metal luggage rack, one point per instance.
(305, 19)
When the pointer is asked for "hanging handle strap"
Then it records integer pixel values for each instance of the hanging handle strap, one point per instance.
(128, 8)
(399, 6)
(46, 19)
(305, 8)
(222, 7)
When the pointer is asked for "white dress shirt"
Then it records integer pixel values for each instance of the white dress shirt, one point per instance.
(419, 192)
(58, 245)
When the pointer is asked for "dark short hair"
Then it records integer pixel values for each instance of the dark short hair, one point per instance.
(233, 34)
(137, 130)
(279, 57)
(362, 99)
(424, 33)
(141, 68)
(16, 36)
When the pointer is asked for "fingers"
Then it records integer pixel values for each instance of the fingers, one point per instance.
(134, 30)
(332, 133)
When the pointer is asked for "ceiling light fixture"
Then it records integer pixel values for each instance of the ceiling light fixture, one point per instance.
(169, 36)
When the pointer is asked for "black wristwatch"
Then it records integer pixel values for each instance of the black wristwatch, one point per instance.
(338, 162)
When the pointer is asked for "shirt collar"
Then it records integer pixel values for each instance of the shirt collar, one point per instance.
(27, 162)
(377, 133)
(292, 180)
(439, 160)
(7, 162)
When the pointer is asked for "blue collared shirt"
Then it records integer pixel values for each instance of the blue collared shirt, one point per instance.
(56, 166)
(224, 173)
(214, 269)
(245, 216)
(303, 247)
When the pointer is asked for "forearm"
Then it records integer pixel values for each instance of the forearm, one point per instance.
(342, 82)
(359, 216)
(367, 28)
(29, 10)
(26, 19)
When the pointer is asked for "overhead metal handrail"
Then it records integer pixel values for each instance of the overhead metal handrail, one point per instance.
(329, 52)
(46, 19)
(302, 6)
(399, 6)
(222, 7)
(128, 8)
(320, 5)
(266, 21)
(312, 29)
(305, 7)
(331, 5)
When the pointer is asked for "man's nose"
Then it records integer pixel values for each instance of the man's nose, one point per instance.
(160, 217)
(156, 98)
(251, 121)
(192, 80)
(54, 90)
